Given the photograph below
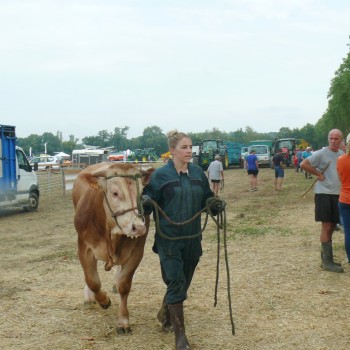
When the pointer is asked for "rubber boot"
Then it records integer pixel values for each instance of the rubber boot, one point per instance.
(163, 317)
(177, 321)
(336, 263)
(327, 258)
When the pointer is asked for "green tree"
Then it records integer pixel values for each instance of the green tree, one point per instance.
(53, 143)
(307, 133)
(153, 137)
(118, 138)
(31, 144)
(239, 136)
(101, 140)
(285, 132)
(70, 145)
(338, 110)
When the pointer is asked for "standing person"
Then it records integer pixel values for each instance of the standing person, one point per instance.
(307, 153)
(343, 169)
(300, 158)
(295, 160)
(252, 166)
(279, 165)
(323, 164)
(215, 174)
(181, 190)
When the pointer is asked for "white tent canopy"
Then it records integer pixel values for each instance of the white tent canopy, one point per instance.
(62, 155)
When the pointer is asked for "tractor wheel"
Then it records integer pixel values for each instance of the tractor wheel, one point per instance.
(225, 161)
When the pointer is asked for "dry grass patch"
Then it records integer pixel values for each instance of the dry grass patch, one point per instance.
(281, 297)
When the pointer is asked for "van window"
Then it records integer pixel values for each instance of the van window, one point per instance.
(259, 149)
(22, 161)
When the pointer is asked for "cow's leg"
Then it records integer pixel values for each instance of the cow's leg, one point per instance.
(89, 264)
(116, 276)
(124, 282)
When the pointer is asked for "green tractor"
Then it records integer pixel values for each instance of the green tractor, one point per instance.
(208, 149)
(136, 156)
(143, 155)
(151, 154)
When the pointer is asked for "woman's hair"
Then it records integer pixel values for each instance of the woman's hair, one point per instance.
(174, 137)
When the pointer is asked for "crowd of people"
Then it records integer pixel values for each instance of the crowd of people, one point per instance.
(331, 168)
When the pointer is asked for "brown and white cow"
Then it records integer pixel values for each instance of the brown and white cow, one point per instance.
(111, 228)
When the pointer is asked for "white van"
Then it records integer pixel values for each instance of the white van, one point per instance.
(263, 152)
(18, 182)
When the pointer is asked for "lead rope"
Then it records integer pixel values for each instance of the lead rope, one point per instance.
(221, 224)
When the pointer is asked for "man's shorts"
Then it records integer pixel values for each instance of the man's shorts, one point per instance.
(279, 172)
(253, 172)
(326, 207)
(215, 181)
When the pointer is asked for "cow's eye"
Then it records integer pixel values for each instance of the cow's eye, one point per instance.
(115, 194)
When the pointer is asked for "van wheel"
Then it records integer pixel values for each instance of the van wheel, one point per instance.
(33, 202)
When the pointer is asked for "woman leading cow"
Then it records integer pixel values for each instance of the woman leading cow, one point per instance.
(181, 190)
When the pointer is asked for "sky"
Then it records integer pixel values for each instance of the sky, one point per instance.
(79, 67)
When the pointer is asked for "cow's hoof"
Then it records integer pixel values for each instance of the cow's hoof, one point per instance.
(123, 331)
(88, 303)
(106, 306)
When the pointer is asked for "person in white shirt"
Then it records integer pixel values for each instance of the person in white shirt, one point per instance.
(216, 174)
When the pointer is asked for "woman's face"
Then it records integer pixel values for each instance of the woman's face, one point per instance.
(183, 150)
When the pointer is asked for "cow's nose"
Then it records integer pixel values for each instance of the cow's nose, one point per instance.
(138, 230)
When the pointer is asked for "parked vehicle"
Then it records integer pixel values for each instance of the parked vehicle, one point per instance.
(244, 153)
(234, 152)
(229, 151)
(45, 162)
(143, 155)
(208, 149)
(89, 156)
(289, 144)
(116, 157)
(18, 182)
(150, 154)
(263, 150)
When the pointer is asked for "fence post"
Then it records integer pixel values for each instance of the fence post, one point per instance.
(63, 181)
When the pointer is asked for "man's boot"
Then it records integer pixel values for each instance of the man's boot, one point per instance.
(163, 317)
(327, 258)
(177, 321)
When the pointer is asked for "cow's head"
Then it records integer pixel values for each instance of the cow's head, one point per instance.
(122, 186)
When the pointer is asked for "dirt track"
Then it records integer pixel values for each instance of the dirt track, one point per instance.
(281, 297)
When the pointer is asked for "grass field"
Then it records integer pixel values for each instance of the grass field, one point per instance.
(281, 298)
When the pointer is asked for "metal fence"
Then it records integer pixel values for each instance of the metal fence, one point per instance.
(56, 181)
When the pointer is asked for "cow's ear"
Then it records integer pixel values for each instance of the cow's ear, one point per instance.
(99, 173)
(102, 183)
(146, 175)
(91, 180)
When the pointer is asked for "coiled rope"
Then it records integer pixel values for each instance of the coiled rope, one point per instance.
(220, 222)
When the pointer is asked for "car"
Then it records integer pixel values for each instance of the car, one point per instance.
(45, 162)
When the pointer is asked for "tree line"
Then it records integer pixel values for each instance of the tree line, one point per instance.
(337, 115)
(154, 137)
